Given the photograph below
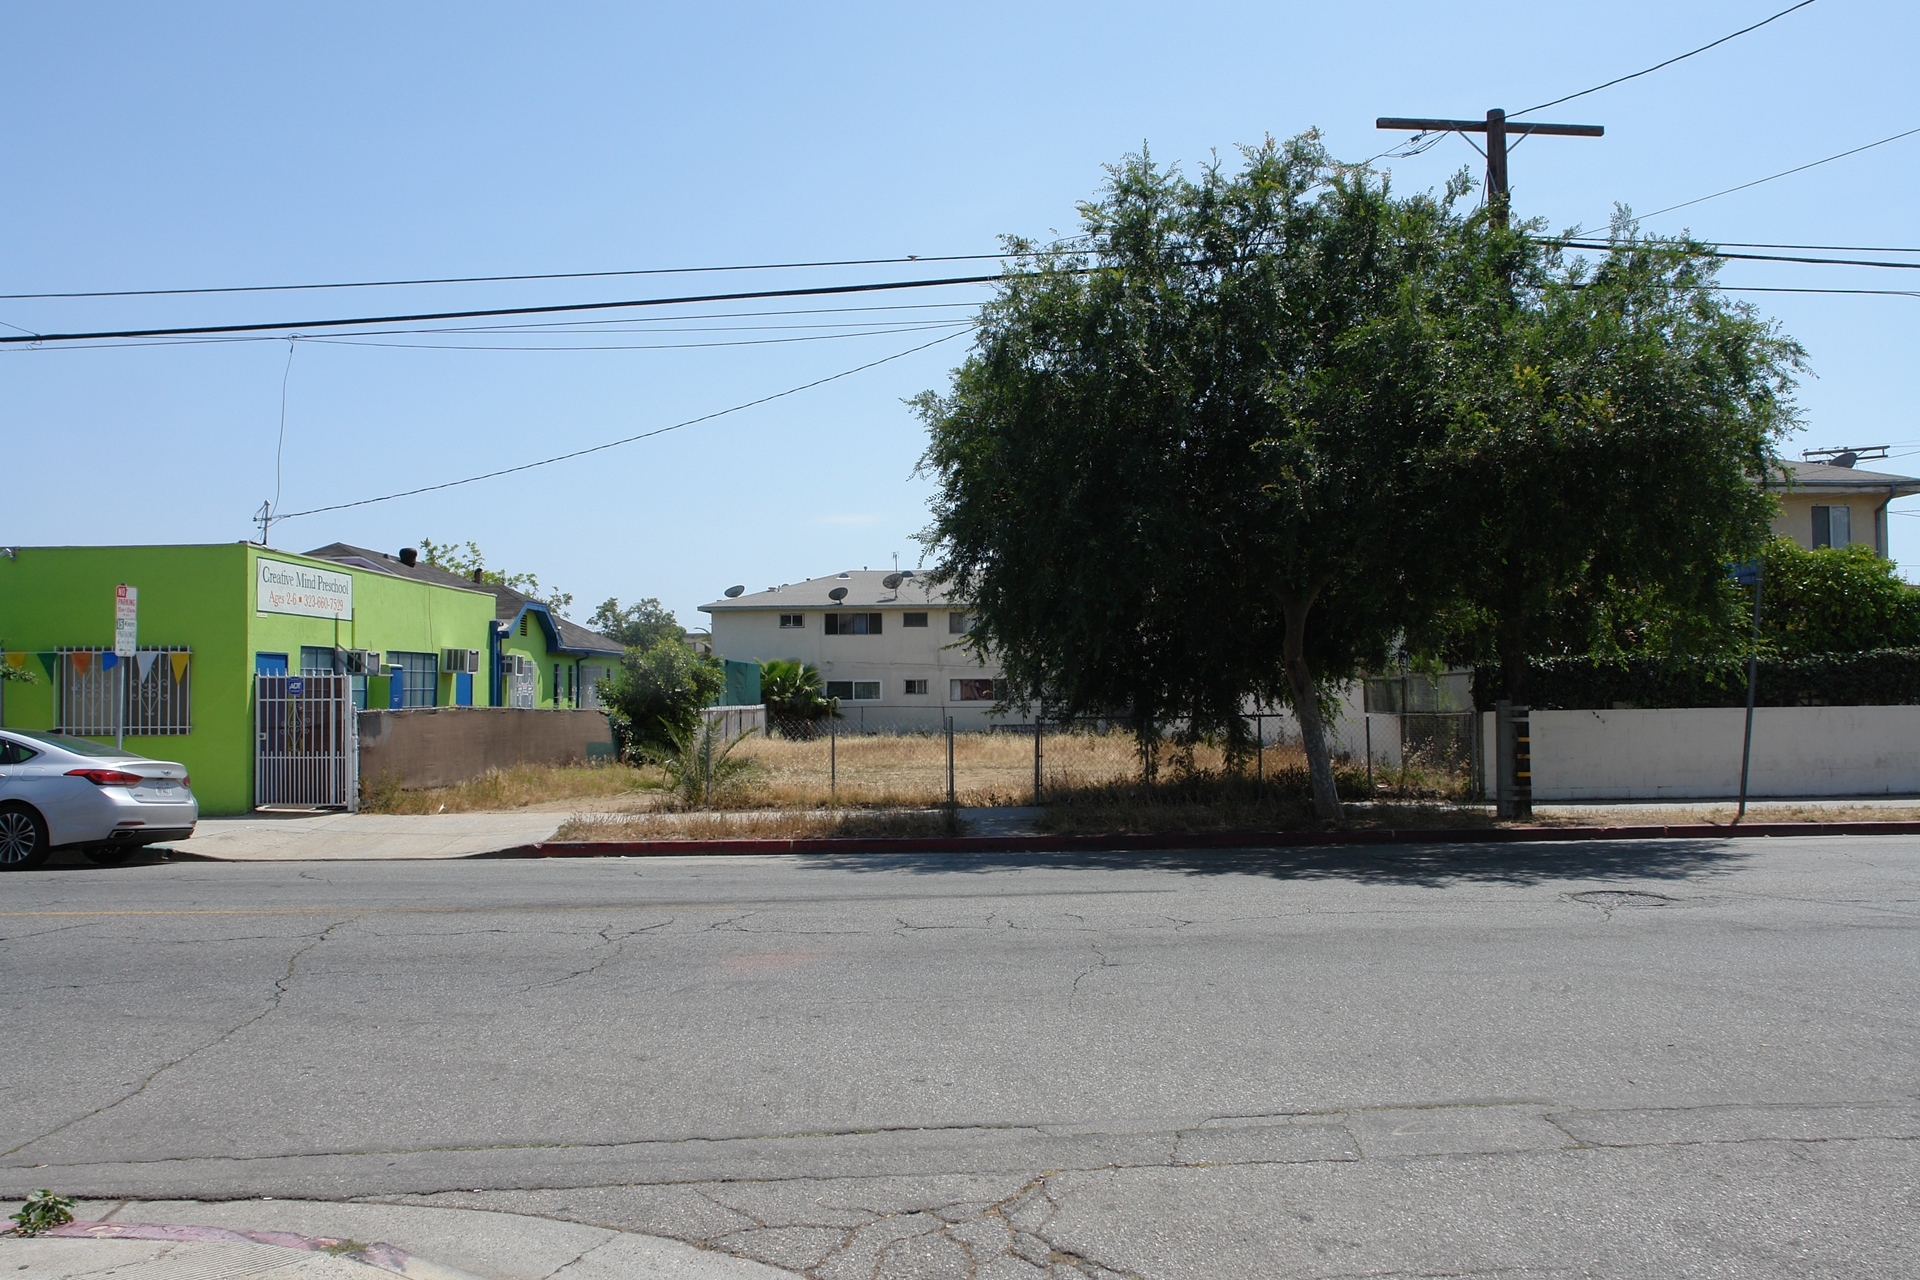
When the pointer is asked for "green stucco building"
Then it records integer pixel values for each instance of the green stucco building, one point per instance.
(211, 618)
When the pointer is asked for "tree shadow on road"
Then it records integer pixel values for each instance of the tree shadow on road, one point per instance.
(1432, 866)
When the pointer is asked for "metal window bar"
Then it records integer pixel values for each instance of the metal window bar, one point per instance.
(158, 704)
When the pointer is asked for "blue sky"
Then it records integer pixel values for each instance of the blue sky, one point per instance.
(193, 145)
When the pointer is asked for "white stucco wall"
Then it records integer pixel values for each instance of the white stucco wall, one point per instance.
(1694, 754)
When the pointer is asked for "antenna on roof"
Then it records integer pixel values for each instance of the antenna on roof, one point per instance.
(1845, 455)
(731, 592)
(837, 594)
(892, 581)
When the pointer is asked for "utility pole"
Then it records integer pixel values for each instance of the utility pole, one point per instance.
(1512, 739)
(1498, 129)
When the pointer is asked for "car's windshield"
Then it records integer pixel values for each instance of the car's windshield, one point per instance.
(79, 746)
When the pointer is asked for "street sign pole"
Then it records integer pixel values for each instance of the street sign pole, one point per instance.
(126, 643)
(1758, 572)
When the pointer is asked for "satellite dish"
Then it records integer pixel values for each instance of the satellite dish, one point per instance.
(892, 581)
(731, 592)
(837, 594)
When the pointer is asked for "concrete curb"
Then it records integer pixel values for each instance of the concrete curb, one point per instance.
(1199, 840)
(378, 1256)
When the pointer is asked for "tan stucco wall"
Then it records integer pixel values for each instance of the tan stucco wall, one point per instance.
(440, 746)
(1795, 517)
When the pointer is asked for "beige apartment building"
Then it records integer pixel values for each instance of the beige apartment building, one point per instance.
(889, 647)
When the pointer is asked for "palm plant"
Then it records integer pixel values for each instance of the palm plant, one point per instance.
(795, 697)
(702, 766)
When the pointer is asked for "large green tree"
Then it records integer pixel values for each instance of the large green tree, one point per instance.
(1193, 458)
(1614, 423)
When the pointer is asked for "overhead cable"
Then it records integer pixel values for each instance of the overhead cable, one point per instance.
(615, 444)
(1782, 174)
(489, 312)
(1669, 62)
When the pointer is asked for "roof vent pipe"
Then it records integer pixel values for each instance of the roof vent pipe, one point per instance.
(409, 557)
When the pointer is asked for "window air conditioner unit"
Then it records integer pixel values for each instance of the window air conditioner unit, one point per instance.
(363, 662)
(466, 660)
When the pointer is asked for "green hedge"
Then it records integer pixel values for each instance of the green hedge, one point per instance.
(1877, 678)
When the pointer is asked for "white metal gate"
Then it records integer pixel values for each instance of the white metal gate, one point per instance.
(306, 750)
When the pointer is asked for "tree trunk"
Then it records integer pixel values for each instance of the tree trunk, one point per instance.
(1306, 705)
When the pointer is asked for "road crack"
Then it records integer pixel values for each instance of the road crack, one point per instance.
(280, 986)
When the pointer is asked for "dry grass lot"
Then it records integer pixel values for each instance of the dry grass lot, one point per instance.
(896, 785)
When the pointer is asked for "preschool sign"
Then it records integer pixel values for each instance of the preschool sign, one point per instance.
(297, 588)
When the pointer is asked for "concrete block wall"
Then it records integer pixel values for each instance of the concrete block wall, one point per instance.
(1694, 753)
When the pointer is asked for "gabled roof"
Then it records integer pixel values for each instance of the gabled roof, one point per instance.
(866, 589)
(1822, 477)
(508, 605)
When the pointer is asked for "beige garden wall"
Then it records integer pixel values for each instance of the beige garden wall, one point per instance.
(1694, 754)
(440, 746)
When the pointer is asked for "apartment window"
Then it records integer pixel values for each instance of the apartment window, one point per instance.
(419, 674)
(159, 693)
(913, 619)
(958, 624)
(972, 691)
(1832, 526)
(853, 624)
(854, 690)
(316, 660)
(792, 621)
(916, 688)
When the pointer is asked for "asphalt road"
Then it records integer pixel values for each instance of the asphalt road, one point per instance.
(1666, 1058)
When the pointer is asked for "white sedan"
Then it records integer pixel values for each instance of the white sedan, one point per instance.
(58, 792)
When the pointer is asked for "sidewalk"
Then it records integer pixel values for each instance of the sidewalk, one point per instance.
(318, 1240)
(334, 837)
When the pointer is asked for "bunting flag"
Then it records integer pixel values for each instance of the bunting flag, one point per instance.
(144, 661)
(49, 660)
(179, 661)
(18, 661)
(80, 660)
(109, 660)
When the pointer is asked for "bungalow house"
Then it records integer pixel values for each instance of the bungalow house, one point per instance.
(535, 657)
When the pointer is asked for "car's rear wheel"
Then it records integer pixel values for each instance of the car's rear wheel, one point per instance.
(23, 838)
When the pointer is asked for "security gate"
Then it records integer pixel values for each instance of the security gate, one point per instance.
(306, 750)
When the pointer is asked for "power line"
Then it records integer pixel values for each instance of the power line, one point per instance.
(1669, 62)
(642, 346)
(551, 275)
(614, 444)
(490, 312)
(1756, 288)
(1831, 248)
(1782, 174)
(1591, 244)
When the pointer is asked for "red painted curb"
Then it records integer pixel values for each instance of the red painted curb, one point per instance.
(1202, 840)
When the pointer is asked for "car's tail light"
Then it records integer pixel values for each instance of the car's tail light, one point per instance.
(107, 777)
(186, 781)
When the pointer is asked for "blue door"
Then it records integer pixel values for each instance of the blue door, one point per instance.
(270, 664)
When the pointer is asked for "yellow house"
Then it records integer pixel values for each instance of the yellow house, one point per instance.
(1836, 504)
